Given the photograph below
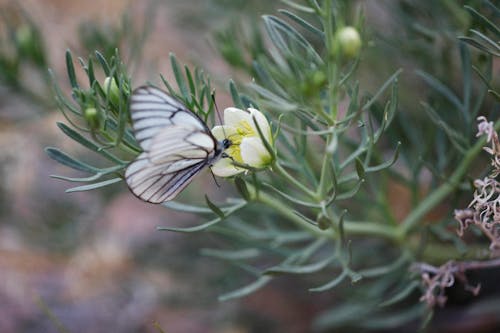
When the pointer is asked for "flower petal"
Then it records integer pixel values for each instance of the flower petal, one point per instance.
(223, 132)
(234, 116)
(254, 153)
(262, 122)
(225, 168)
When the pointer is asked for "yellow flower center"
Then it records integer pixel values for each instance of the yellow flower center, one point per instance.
(243, 130)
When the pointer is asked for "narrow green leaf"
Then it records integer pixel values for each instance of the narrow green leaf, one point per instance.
(354, 155)
(386, 84)
(213, 207)
(179, 78)
(393, 103)
(235, 96)
(69, 161)
(467, 82)
(386, 164)
(291, 198)
(247, 290)
(276, 27)
(303, 269)
(241, 186)
(485, 39)
(170, 89)
(103, 62)
(266, 79)
(79, 180)
(98, 175)
(127, 138)
(360, 169)
(457, 139)
(192, 229)
(238, 204)
(350, 71)
(393, 320)
(341, 228)
(332, 284)
(187, 208)
(282, 237)
(441, 89)
(71, 70)
(94, 185)
(87, 143)
(90, 72)
(244, 254)
(280, 103)
(305, 218)
(64, 105)
(386, 269)
(494, 9)
(480, 46)
(352, 192)
(298, 7)
(192, 86)
(484, 20)
(401, 294)
(306, 25)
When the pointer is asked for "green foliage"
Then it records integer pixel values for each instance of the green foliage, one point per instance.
(22, 46)
(323, 210)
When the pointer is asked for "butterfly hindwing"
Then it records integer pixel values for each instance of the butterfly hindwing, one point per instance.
(176, 145)
(155, 183)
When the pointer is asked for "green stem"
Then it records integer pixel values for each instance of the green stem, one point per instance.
(350, 227)
(288, 212)
(332, 71)
(444, 190)
(322, 187)
(279, 169)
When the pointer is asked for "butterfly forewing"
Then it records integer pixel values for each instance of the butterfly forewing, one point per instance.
(152, 109)
(176, 145)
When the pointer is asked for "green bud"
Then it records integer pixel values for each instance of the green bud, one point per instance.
(92, 117)
(323, 221)
(313, 83)
(111, 90)
(348, 41)
(25, 40)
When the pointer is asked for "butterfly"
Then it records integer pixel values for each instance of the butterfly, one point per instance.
(176, 145)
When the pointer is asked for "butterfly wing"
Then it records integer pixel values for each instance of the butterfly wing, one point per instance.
(176, 145)
(153, 110)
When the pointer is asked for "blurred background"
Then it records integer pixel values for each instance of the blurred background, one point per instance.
(93, 261)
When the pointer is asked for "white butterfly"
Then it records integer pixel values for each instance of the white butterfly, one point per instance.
(176, 145)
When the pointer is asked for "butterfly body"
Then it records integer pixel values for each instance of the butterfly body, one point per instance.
(176, 145)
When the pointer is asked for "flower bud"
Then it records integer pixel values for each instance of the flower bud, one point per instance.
(24, 38)
(323, 221)
(92, 117)
(111, 90)
(313, 83)
(348, 41)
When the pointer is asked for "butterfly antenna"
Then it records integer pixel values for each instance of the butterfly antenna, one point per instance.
(218, 113)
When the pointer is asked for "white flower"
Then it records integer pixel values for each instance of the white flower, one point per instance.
(247, 146)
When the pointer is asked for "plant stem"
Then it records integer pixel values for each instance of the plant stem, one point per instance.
(279, 169)
(325, 167)
(332, 71)
(350, 227)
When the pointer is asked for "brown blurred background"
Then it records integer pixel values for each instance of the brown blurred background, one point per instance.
(93, 261)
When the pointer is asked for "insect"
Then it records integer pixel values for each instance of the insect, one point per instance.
(176, 145)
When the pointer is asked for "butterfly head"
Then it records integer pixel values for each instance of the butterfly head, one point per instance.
(226, 143)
